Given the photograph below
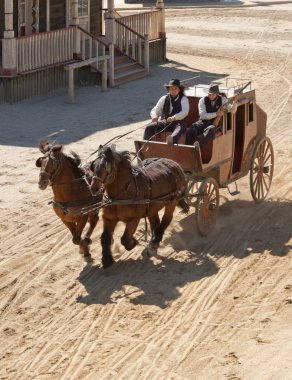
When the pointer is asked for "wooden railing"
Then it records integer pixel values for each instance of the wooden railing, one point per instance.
(44, 49)
(132, 44)
(144, 23)
(91, 46)
(51, 48)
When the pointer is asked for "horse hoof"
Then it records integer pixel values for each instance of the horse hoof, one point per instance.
(87, 240)
(87, 257)
(145, 253)
(106, 263)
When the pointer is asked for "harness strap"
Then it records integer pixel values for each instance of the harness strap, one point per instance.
(70, 204)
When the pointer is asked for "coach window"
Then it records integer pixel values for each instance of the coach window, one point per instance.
(250, 112)
(228, 121)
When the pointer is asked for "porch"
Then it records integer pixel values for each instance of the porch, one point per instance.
(121, 48)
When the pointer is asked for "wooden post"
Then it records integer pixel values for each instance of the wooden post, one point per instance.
(76, 37)
(110, 24)
(9, 45)
(146, 53)
(104, 70)
(111, 64)
(71, 94)
(160, 5)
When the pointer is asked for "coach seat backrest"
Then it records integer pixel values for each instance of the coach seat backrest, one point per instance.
(193, 115)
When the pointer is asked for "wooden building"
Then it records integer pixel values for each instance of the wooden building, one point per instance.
(87, 38)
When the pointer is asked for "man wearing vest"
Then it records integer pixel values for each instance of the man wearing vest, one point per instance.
(209, 109)
(172, 109)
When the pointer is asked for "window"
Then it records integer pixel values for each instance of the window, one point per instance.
(82, 8)
(229, 121)
(250, 112)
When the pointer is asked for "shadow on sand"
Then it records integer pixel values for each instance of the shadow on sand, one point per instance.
(143, 282)
(244, 228)
(26, 122)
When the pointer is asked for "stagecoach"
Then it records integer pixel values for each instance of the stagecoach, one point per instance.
(240, 146)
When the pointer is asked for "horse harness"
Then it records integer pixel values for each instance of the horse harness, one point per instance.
(146, 201)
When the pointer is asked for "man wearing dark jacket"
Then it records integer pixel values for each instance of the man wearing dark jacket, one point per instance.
(209, 109)
(172, 109)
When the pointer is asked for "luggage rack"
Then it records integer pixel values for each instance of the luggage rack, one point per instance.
(197, 86)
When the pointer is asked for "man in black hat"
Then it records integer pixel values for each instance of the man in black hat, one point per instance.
(172, 109)
(209, 109)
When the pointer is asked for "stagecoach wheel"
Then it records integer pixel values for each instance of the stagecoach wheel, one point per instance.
(261, 169)
(207, 206)
(193, 188)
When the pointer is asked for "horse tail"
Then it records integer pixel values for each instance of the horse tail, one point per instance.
(182, 203)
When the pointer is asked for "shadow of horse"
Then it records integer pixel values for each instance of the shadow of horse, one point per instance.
(142, 281)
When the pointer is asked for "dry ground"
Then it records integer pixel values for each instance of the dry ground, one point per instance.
(214, 308)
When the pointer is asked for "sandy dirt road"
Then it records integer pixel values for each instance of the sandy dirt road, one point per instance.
(214, 308)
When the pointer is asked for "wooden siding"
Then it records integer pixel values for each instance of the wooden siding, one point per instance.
(58, 14)
(95, 17)
(42, 16)
(15, 17)
(1, 18)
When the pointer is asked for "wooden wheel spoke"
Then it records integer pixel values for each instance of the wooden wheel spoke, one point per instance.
(261, 171)
(267, 158)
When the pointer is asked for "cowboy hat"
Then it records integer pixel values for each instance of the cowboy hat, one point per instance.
(213, 89)
(174, 82)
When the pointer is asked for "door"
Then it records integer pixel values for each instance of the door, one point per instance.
(28, 17)
(83, 13)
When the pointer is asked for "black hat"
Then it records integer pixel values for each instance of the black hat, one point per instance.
(213, 89)
(174, 82)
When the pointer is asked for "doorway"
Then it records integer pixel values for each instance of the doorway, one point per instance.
(28, 17)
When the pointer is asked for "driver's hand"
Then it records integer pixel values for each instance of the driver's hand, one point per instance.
(154, 119)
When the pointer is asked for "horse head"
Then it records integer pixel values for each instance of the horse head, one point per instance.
(50, 164)
(103, 169)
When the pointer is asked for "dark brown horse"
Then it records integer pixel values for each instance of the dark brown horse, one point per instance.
(71, 192)
(136, 192)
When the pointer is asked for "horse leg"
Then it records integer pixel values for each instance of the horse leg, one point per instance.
(83, 244)
(93, 219)
(128, 241)
(154, 224)
(106, 240)
(159, 231)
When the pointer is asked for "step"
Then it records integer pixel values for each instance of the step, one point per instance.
(126, 66)
(130, 75)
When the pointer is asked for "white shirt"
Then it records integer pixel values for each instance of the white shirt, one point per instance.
(207, 116)
(158, 109)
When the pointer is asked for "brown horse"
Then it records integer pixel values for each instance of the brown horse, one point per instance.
(71, 192)
(132, 193)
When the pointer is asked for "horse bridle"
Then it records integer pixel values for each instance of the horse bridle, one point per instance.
(57, 165)
(110, 176)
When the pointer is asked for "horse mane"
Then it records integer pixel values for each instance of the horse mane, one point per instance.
(75, 162)
(74, 159)
(123, 157)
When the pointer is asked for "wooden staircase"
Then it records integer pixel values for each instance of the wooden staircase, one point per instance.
(126, 70)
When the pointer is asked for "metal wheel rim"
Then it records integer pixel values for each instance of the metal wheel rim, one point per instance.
(262, 169)
(207, 206)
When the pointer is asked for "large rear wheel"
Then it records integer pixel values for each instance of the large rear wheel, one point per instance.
(262, 169)
(207, 206)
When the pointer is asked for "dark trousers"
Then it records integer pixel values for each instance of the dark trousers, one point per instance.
(177, 128)
(199, 128)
